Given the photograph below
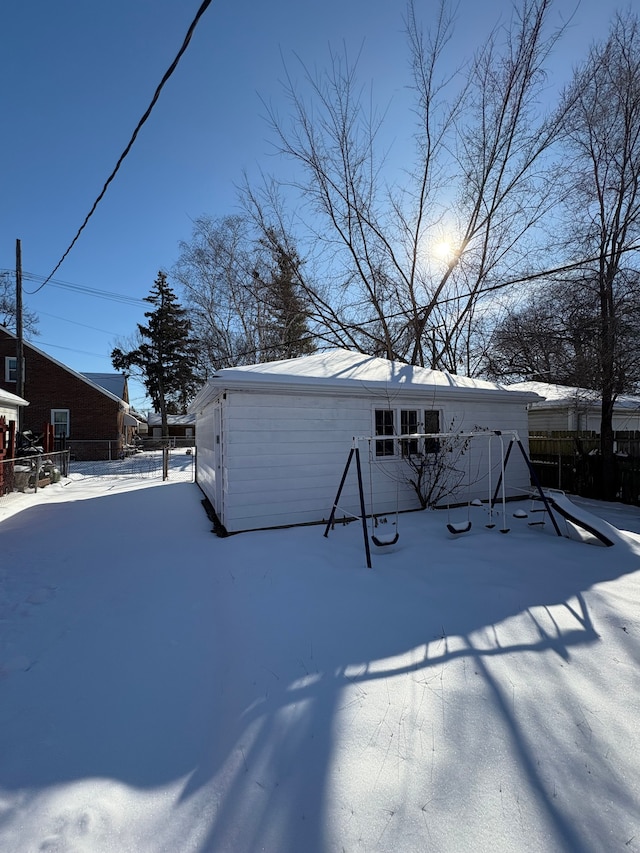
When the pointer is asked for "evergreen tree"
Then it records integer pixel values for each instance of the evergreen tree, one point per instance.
(166, 356)
(286, 332)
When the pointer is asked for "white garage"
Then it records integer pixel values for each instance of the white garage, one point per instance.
(10, 405)
(273, 439)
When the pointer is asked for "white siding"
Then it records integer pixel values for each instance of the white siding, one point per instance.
(557, 418)
(9, 412)
(206, 464)
(283, 454)
(543, 420)
(625, 421)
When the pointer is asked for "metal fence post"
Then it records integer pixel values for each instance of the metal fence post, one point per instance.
(560, 471)
(37, 474)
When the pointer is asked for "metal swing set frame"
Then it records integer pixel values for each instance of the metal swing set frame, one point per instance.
(354, 455)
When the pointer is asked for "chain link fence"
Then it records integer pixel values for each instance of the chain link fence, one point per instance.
(24, 476)
(27, 474)
(108, 450)
(168, 463)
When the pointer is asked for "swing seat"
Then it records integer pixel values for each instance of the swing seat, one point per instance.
(460, 527)
(385, 539)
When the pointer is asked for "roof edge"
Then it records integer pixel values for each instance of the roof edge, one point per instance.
(68, 369)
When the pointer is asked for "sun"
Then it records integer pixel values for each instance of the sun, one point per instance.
(443, 250)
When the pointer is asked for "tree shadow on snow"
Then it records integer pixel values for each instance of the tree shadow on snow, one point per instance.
(317, 644)
(242, 677)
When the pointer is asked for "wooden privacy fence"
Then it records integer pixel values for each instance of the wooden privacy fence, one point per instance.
(571, 461)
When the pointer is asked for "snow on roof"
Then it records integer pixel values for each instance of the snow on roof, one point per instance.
(559, 396)
(12, 399)
(155, 419)
(341, 369)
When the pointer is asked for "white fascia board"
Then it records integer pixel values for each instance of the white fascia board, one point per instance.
(13, 399)
(351, 388)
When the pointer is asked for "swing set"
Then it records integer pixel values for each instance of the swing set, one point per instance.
(382, 540)
(464, 527)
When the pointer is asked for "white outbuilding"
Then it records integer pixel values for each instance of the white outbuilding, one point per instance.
(273, 439)
(563, 408)
(10, 406)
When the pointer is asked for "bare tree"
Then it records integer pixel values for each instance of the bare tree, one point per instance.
(242, 287)
(553, 336)
(603, 136)
(215, 271)
(435, 467)
(480, 142)
(8, 308)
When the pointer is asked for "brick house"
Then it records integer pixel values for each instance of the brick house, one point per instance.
(181, 427)
(88, 418)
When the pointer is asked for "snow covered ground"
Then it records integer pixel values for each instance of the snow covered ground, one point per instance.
(162, 689)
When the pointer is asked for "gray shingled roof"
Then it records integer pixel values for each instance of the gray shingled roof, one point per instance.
(112, 382)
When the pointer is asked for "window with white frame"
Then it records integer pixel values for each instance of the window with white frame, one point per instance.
(431, 425)
(385, 425)
(418, 422)
(409, 420)
(10, 369)
(60, 421)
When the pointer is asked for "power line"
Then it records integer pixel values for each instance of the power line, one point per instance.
(534, 276)
(68, 349)
(76, 323)
(79, 288)
(146, 115)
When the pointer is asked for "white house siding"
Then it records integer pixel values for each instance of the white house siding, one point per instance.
(543, 420)
(208, 470)
(624, 421)
(284, 452)
(9, 412)
(284, 455)
(563, 408)
(563, 419)
(10, 405)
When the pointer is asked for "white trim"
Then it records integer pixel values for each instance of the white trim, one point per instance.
(12, 399)
(343, 373)
(8, 359)
(54, 423)
(397, 409)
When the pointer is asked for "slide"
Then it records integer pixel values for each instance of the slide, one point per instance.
(582, 519)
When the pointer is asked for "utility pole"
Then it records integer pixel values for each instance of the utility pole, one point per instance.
(19, 342)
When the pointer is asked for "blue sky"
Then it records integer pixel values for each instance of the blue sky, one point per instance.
(77, 76)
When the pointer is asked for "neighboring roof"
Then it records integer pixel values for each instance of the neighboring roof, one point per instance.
(130, 419)
(155, 419)
(83, 377)
(342, 370)
(12, 399)
(113, 382)
(561, 396)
